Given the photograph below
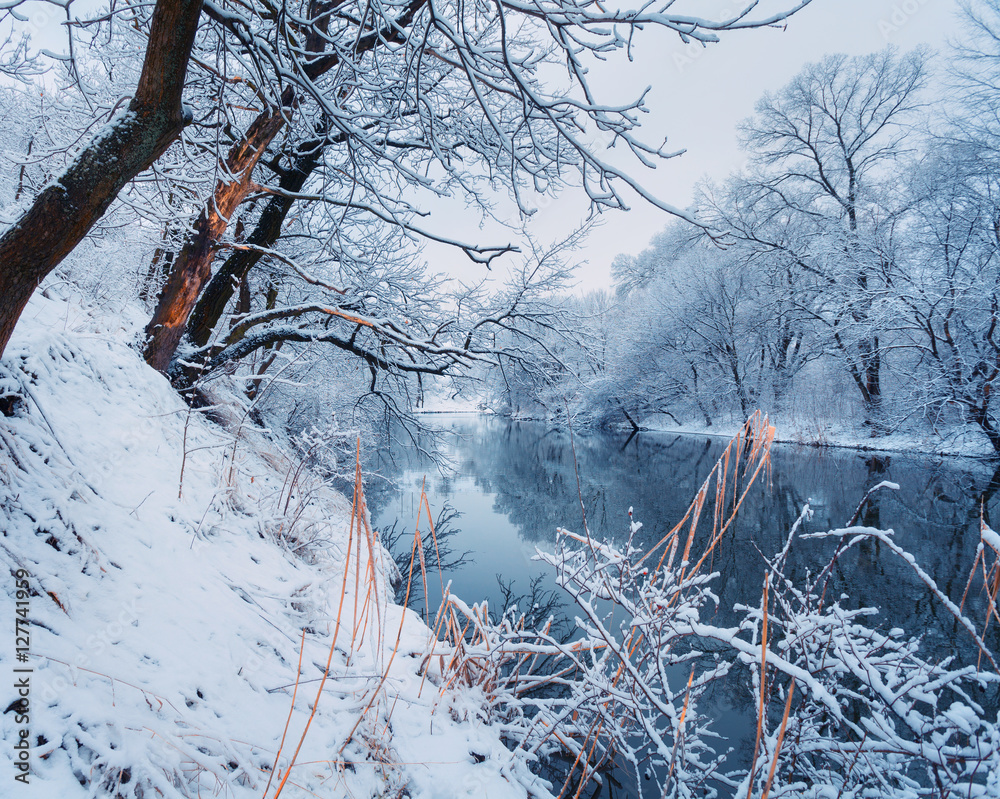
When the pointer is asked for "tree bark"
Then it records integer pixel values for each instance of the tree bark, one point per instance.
(981, 416)
(871, 357)
(234, 271)
(66, 209)
(192, 268)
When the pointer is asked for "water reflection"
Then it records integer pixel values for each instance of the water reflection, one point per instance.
(515, 483)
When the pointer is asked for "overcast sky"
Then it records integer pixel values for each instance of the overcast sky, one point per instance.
(700, 94)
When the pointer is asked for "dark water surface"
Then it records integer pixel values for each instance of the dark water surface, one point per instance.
(514, 483)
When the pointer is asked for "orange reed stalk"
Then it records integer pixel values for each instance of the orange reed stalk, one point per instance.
(399, 637)
(763, 682)
(781, 738)
(680, 724)
(336, 631)
(298, 676)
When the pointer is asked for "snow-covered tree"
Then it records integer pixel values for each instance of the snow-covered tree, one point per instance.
(136, 135)
(820, 195)
(399, 100)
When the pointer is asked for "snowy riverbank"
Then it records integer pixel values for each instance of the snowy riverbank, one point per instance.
(170, 575)
(958, 442)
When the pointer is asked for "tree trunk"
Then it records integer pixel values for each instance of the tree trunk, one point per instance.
(871, 364)
(212, 305)
(192, 268)
(235, 271)
(981, 416)
(66, 209)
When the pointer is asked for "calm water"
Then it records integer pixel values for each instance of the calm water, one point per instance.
(513, 484)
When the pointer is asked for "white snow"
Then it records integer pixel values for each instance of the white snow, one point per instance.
(167, 614)
(189, 599)
(990, 537)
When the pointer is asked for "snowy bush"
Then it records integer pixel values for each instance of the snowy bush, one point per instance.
(845, 707)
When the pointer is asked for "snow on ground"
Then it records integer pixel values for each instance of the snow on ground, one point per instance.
(166, 613)
(964, 442)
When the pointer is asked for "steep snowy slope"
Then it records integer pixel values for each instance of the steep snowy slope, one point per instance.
(167, 577)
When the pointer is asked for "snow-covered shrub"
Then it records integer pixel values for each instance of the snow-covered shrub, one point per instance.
(846, 706)
(628, 688)
(298, 518)
(875, 716)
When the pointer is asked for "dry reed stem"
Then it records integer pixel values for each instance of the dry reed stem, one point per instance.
(429, 654)
(781, 738)
(144, 691)
(584, 776)
(680, 725)
(357, 563)
(991, 593)
(439, 620)
(291, 708)
(420, 546)
(437, 552)
(576, 761)
(458, 659)
(371, 573)
(378, 688)
(991, 580)
(760, 435)
(336, 631)
(763, 684)
(399, 635)
(761, 464)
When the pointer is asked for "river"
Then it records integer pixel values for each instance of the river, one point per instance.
(512, 484)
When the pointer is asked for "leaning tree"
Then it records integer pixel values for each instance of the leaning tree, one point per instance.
(66, 209)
